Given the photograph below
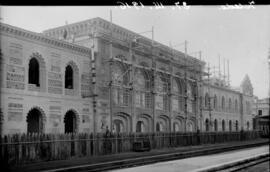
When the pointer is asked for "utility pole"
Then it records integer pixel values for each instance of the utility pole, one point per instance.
(186, 84)
(228, 70)
(224, 77)
(209, 99)
(132, 90)
(110, 73)
(219, 70)
(93, 72)
(153, 81)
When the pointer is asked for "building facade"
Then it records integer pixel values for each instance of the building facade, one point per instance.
(43, 84)
(225, 108)
(99, 75)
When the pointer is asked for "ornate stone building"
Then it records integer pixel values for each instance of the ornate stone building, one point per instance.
(43, 83)
(93, 74)
(225, 108)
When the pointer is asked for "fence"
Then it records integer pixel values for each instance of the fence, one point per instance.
(23, 148)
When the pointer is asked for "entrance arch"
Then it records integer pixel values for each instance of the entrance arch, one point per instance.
(207, 125)
(146, 123)
(230, 125)
(223, 125)
(118, 126)
(216, 125)
(35, 121)
(176, 127)
(178, 124)
(70, 120)
(140, 126)
(190, 126)
(121, 122)
(159, 127)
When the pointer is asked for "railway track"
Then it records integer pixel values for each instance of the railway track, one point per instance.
(131, 162)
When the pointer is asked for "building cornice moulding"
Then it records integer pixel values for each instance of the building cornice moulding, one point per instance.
(5, 28)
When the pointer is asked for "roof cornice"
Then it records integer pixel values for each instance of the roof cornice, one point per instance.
(5, 28)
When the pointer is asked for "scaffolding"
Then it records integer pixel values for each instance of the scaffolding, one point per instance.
(187, 63)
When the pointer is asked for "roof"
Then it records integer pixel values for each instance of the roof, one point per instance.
(104, 25)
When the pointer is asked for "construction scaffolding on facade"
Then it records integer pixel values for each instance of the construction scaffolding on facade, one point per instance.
(159, 82)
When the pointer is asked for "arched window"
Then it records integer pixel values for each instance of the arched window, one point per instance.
(191, 93)
(216, 125)
(162, 88)
(223, 103)
(69, 78)
(236, 125)
(177, 96)
(142, 89)
(215, 102)
(121, 94)
(33, 73)
(158, 127)
(223, 125)
(206, 125)
(206, 100)
(236, 106)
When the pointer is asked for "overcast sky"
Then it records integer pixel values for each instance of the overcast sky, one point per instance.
(240, 36)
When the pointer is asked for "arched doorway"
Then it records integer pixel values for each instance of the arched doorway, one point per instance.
(118, 126)
(223, 125)
(121, 122)
(140, 126)
(216, 125)
(206, 125)
(230, 125)
(70, 121)
(145, 124)
(34, 121)
(159, 127)
(190, 127)
(176, 127)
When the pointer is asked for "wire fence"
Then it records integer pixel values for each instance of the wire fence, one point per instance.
(26, 148)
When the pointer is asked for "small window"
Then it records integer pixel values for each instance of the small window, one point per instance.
(260, 112)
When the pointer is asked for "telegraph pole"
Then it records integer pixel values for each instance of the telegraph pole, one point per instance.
(110, 73)
(186, 84)
(153, 82)
(93, 71)
(131, 89)
(209, 99)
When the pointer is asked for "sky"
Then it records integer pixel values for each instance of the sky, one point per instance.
(241, 37)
